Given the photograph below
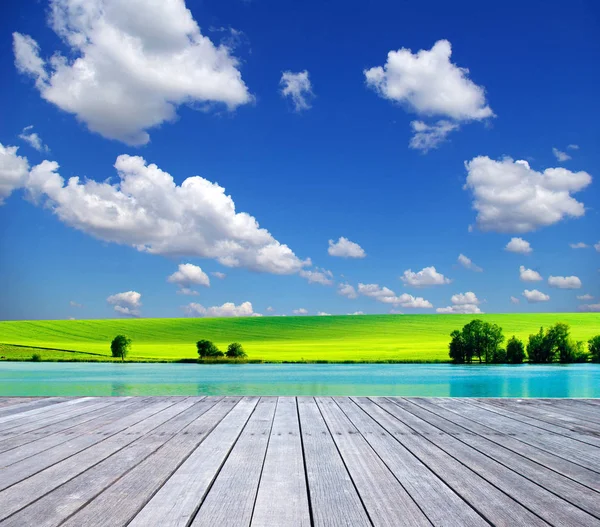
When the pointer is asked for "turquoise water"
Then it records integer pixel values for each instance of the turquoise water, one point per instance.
(433, 380)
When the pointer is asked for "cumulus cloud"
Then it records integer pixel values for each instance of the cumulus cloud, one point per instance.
(387, 296)
(462, 303)
(468, 263)
(535, 296)
(596, 245)
(564, 282)
(33, 139)
(589, 307)
(13, 171)
(149, 211)
(514, 300)
(429, 136)
(560, 156)
(529, 275)
(300, 311)
(573, 147)
(425, 277)
(509, 196)
(127, 303)
(318, 276)
(270, 309)
(428, 83)
(72, 303)
(585, 297)
(323, 314)
(218, 274)
(344, 248)
(579, 245)
(129, 65)
(356, 313)
(518, 245)
(298, 88)
(187, 276)
(347, 290)
(228, 309)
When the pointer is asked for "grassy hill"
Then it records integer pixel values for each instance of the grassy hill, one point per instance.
(336, 338)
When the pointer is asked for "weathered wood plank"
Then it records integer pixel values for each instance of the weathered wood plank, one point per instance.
(283, 474)
(170, 506)
(541, 502)
(438, 501)
(37, 402)
(333, 496)
(230, 500)
(496, 506)
(13, 401)
(56, 506)
(15, 419)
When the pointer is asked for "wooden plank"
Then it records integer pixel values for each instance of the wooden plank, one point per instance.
(333, 496)
(70, 425)
(172, 507)
(283, 473)
(61, 503)
(494, 505)
(571, 409)
(10, 401)
(14, 419)
(132, 491)
(230, 500)
(466, 416)
(576, 494)
(38, 402)
(544, 504)
(436, 499)
(29, 466)
(384, 497)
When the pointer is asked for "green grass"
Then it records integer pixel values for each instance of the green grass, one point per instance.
(410, 338)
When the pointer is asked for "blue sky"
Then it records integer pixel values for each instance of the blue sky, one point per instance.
(298, 112)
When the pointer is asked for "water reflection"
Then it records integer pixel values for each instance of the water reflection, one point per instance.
(439, 380)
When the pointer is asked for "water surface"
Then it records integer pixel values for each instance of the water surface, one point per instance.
(432, 380)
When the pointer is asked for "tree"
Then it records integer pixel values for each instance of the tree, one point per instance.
(515, 351)
(538, 349)
(235, 351)
(120, 346)
(557, 340)
(477, 339)
(594, 348)
(206, 349)
(457, 347)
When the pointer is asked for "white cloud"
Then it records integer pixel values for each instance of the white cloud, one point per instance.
(518, 245)
(529, 275)
(429, 136)
(13, 171)
(127, 303)
(218, 274)
(585, 297)
(462, 303)
(596, 245)
(579, 245)
(387, 296)
(300, 311)
(187, 276)
(270, 309)
(297, 86)
(589, 307)
(344, 248)
(511, 197)
(323, 314)
(318, 276)
(72, 303)
(425, 277)
(535, 296)
(564, 282)
(428, 84)
(560, 156)
(130, 65)
(228, 309)
(149, 211)
(347, 290)
(33, 139)
(468, 263)
(514, 300)
(573, 147)
(356, 313)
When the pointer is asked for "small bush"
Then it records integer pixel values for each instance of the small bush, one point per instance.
(498, 356)
(515, 351)
(235, 351)
(36, 357)
(208, 350)
(120, 346)
(538, 349)
(594, 348)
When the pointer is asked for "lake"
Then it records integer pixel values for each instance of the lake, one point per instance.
(431, 380)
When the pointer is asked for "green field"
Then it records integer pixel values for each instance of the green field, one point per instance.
(418, 338)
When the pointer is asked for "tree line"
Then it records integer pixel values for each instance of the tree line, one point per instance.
(482, 342)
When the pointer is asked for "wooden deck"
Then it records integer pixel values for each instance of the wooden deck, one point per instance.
(235, 461)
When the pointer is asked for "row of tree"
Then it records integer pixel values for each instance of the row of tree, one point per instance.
(482, 341)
